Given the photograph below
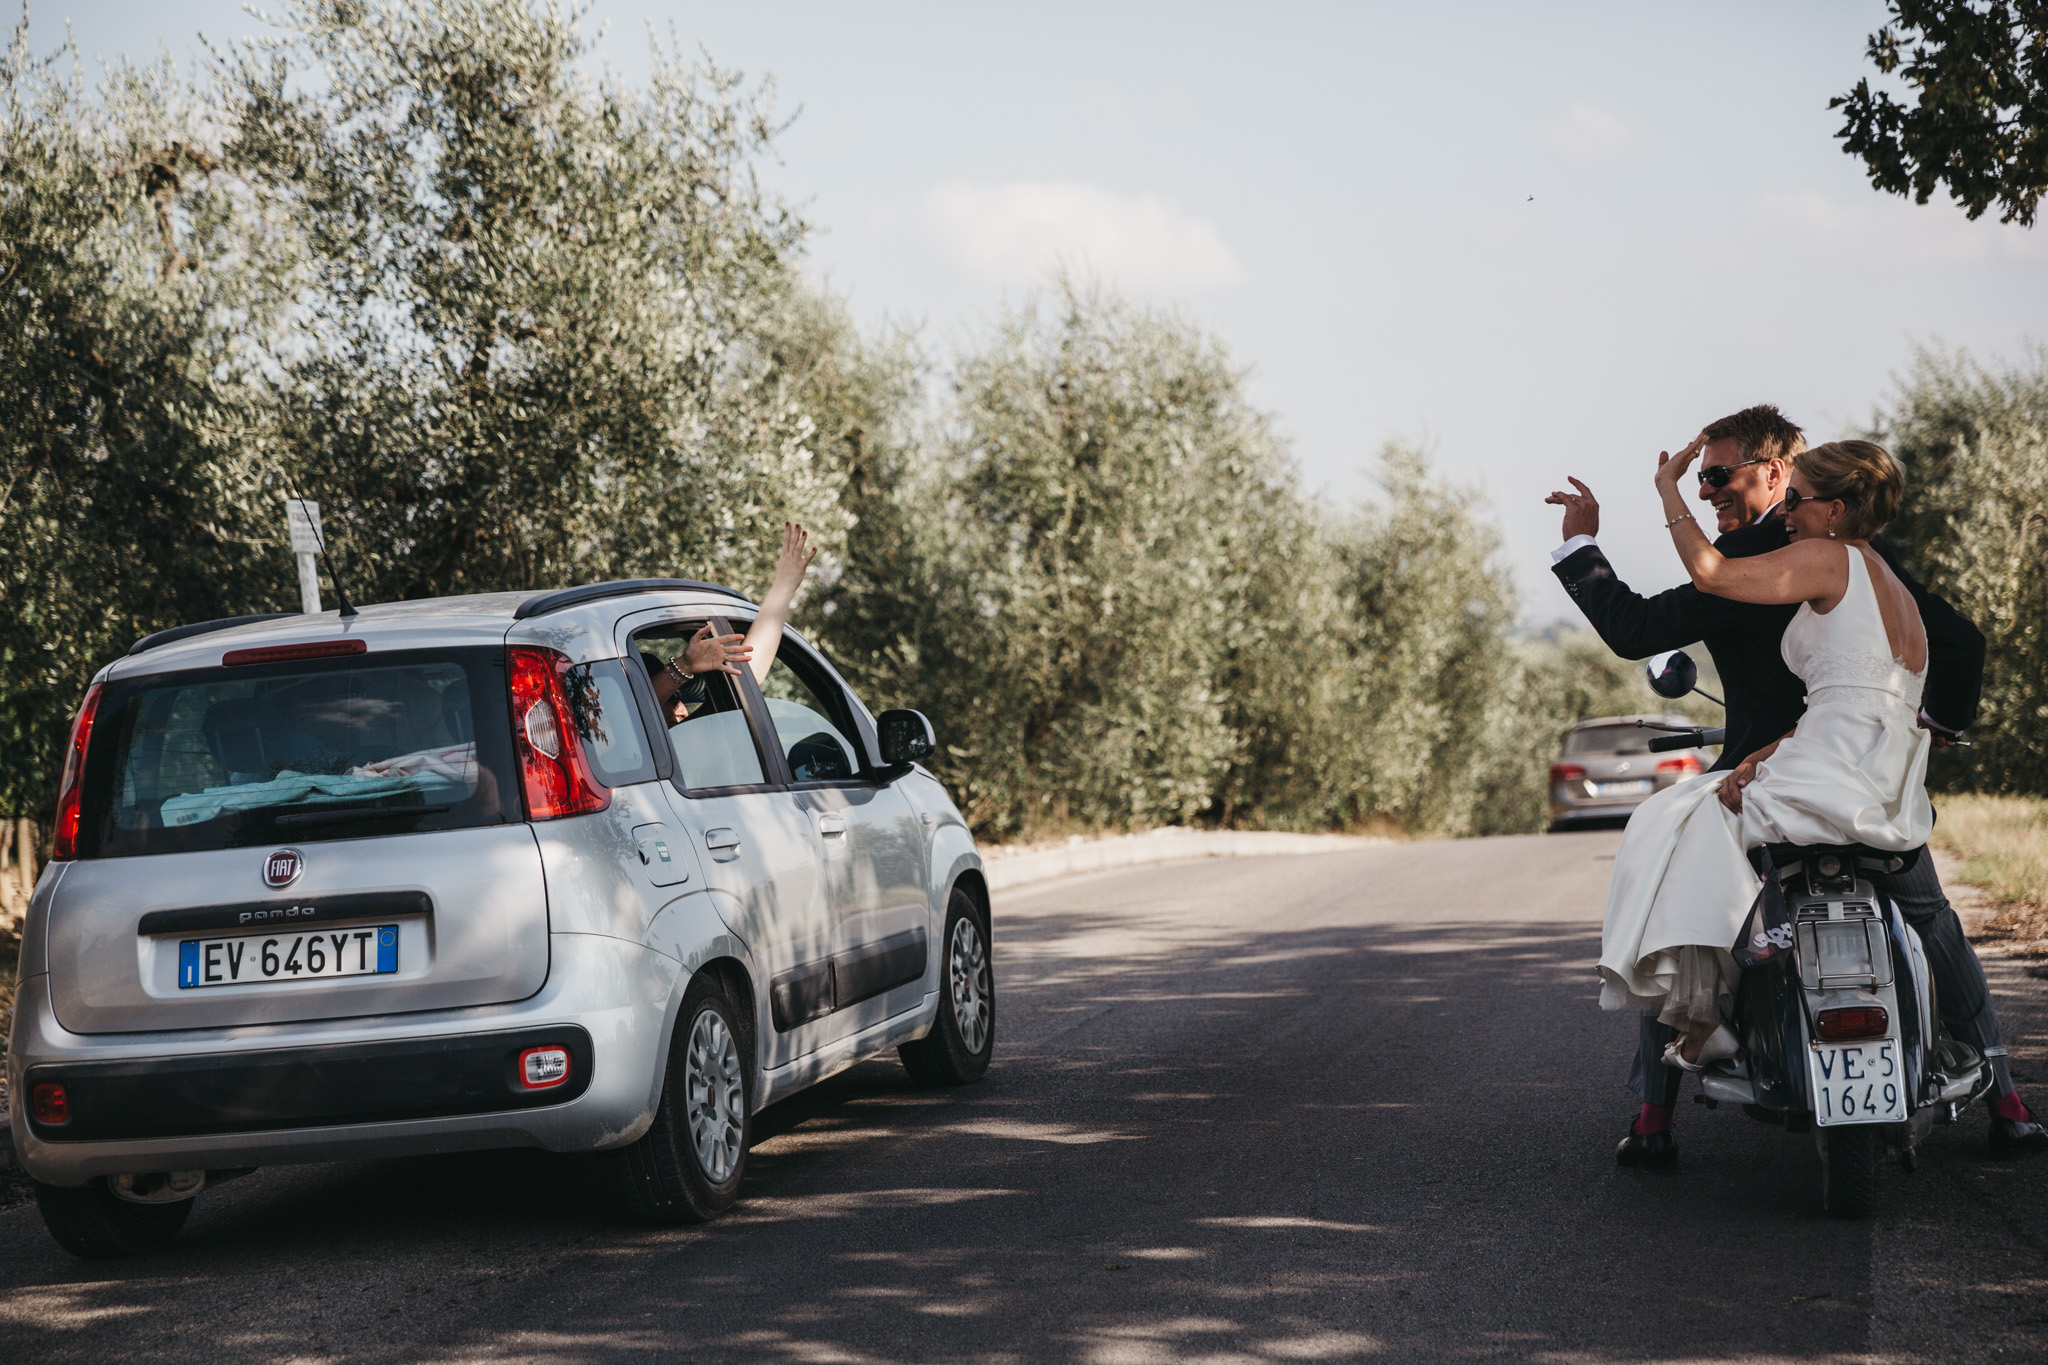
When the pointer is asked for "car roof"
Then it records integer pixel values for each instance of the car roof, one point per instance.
(470, 619)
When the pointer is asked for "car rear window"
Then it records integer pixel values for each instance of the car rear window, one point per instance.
(1609, 739)
(372, 744)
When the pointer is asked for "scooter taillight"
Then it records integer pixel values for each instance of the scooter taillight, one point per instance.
(1854, 1021)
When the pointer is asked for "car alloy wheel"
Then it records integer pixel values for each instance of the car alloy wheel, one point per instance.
(967, 964)
(716, 1096)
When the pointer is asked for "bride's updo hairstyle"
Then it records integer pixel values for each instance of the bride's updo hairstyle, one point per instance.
(1864, 476)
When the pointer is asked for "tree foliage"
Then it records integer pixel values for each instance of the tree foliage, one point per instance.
(138, 292)
(515, 327)
(1974, 440)
(545, 322)
(1979, 120)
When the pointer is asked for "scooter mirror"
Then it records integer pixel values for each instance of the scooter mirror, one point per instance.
(1678, 676)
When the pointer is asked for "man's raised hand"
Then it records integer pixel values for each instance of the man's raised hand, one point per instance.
(1581, 510)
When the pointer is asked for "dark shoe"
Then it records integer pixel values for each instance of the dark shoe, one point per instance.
(1651, 1151)
(2017, 1137)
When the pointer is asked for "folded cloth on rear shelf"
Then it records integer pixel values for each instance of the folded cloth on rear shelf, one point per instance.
(447, 773)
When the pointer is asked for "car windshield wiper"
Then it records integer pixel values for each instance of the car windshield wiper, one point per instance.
(332, 817)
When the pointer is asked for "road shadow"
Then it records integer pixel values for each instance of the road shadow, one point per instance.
(1340, 1142)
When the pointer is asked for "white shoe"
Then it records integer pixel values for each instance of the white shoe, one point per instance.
(1720, 1043)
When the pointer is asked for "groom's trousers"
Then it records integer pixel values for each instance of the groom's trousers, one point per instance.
(1962, 996)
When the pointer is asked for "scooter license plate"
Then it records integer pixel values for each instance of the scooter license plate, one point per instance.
(1857, 1082)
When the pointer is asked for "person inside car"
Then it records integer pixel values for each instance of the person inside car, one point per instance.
(679, 682)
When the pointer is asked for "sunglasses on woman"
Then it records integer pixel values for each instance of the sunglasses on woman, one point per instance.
(1793, 497)
(1717, 475)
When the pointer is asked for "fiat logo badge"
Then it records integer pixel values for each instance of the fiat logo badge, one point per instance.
(283, 867)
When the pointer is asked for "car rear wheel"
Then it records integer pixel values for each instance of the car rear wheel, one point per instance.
(688, 1166)
(963, 1037)
(91, 1221)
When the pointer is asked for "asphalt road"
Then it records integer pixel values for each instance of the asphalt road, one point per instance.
(1351, 1106)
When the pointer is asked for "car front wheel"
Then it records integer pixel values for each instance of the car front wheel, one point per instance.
(963, 1037)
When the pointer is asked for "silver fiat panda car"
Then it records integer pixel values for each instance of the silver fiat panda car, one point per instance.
(442, 876)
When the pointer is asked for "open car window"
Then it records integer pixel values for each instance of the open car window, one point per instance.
(707, 725)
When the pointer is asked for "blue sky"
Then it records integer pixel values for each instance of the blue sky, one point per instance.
(1344, 194)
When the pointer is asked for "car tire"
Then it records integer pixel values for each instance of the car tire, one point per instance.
(688, 1166)
(963, 1037)
(92, 1222)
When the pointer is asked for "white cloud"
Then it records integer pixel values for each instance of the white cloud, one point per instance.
(1589, 134)
(1017, 231)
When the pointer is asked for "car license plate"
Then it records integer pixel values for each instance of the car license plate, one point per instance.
(1857, 1082)
(316, 955)
(1635, 786)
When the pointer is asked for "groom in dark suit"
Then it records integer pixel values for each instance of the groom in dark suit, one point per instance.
(1742, 473)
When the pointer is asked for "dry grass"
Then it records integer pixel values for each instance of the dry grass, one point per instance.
(2002, 842)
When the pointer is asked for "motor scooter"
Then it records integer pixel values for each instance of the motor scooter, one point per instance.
(1836, 1019)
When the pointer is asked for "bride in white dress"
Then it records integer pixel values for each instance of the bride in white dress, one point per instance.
(1852, 771)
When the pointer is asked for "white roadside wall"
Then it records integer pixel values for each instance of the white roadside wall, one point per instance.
(1021, 867)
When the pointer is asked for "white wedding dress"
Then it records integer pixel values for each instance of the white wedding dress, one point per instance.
(1853, 772)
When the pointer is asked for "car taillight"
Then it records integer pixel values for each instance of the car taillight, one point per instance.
(1566, 772)
(1684, 763)
(1856, 1021)
(543, 1068)
(553, 770)
(64, 832)
(50, 1104)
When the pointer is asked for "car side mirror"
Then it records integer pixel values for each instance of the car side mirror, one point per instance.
(1676, 678)
(906, 737)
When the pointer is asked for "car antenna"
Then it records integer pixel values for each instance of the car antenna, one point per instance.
(348, 608)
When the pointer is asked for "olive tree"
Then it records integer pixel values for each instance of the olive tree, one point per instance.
(1974, 442)
(141, 292)
(1055, 565)
(542, 335)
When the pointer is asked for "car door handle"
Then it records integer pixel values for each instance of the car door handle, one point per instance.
(831, 825)
(721, 838)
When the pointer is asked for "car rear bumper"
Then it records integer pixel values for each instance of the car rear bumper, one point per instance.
(466, 1075)
(351, 1089)
(1570, 804)
(1590, 811)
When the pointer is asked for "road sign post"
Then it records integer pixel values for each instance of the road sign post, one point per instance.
(303, 517)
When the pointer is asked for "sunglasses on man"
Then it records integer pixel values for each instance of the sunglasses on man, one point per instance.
(1717, 475)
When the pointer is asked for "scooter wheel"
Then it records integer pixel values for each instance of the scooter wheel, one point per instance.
(1848, 1170)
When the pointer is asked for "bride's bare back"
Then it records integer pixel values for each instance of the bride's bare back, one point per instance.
(1903, 630)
